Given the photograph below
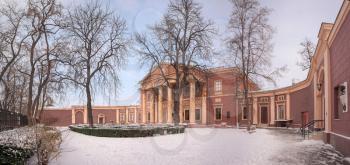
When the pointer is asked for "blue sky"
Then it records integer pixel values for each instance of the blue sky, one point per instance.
(293, 20)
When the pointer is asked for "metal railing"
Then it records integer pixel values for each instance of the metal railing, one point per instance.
(309, 127)
(10, 120)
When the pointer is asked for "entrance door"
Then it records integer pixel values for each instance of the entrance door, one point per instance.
(264, 115)
(304, 118)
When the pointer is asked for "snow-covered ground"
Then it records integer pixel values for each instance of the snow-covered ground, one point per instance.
(197, 146)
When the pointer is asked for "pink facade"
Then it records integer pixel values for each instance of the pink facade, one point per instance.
(101, 115)
(340, 74)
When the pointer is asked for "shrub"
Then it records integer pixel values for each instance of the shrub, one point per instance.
(14, 155)
(128, 131)
(19, 144)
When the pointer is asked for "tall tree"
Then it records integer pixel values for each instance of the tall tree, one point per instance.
(98, 46)
(249, 43)
(182, 40)
(12, 35)
(306, 54)
(42, 48)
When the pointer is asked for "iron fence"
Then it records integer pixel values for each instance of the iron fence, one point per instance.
(10, 120)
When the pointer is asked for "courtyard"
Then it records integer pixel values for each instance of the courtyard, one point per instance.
(198, 146)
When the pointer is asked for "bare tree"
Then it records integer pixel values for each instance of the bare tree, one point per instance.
(12, 35)
(98, 46)
(250, 45)
(182, 40)
(42, 48)
(306, 54)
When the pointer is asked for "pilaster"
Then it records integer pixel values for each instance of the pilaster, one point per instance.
(272, 112)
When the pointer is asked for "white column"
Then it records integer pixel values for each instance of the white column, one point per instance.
(328, 91)
(204, 110)
(288, 117)
(255, 110)
(152, 108)
(192, 102)
(85, 115)
(170, 105)
(315, 96)
(143, 104)
(117, 116)
(73, 116)
(181, 109)
(160, 104)
(272, 111)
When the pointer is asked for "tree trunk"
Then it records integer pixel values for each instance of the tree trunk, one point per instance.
(176, 106)
(88, 105)
(30, 98)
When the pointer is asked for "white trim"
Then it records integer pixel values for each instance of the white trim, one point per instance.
(345, 137)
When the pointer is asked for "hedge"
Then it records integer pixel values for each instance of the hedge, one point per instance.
(14, 155)
(128, 132)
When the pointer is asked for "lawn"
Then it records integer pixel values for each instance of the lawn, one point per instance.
(197, 146)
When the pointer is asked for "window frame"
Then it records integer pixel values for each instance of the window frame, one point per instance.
(245, 109)
(278, 111)
(216, 86)
(99, 116)
(215, 110)
(186, 110)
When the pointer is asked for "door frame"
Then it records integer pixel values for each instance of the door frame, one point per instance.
(267, 111)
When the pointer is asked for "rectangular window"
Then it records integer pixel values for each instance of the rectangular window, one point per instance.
(245, 113)
(148, 116)
(122, 117)
(218, 113)
(281, 112)
(187, 115)
(131, 116)
(198, 114)
(218, 86)
(228, 115)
